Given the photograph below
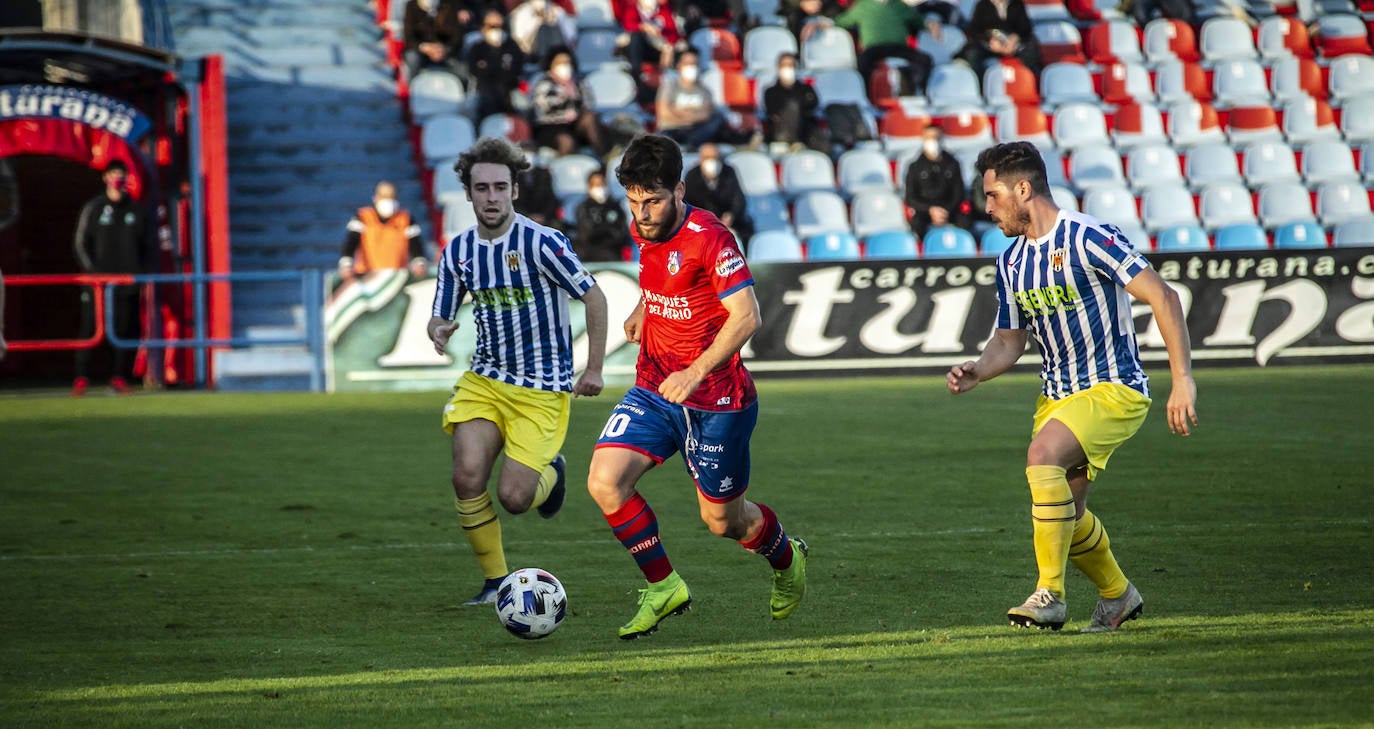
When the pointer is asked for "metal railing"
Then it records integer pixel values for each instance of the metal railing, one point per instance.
(311, 284)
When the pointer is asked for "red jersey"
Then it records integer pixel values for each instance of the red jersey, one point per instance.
(682, 281)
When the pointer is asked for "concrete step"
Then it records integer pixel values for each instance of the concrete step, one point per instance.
(368, 127)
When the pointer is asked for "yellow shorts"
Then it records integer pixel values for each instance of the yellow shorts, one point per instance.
(532, 422)
(1101, 417)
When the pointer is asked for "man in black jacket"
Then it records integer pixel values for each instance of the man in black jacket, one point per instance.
(603, 227)
(935, 189)
(790, 108)
(713, 185)
(113, 235)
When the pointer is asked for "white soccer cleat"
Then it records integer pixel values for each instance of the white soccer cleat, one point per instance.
(1043, 609)
(1110, 614)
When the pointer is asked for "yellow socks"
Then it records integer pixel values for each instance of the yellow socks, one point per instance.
(547, 478)
(1091, 552)
(1052, 516)
(483, 530)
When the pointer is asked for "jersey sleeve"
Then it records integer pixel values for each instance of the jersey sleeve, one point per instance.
(448, 290)
(1008, 314)
(1111, 253)
(725, 264)
(560, 264)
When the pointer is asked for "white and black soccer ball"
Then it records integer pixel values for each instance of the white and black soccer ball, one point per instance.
(531, 603)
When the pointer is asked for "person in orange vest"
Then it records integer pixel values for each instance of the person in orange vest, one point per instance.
(382, 237)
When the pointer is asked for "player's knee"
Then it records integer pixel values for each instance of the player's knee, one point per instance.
(515, 502)
(467, 483)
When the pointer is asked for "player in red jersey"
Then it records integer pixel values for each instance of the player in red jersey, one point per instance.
(692, 394)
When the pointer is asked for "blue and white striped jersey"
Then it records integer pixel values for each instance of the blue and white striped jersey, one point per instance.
(1067, 289)
(520, 285)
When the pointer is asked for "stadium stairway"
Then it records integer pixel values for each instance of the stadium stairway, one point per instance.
(314, 123)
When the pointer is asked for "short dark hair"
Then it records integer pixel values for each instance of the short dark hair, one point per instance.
(651, 161)
(491, 150)
(554, 51)
(1012, 162)
(116, 165)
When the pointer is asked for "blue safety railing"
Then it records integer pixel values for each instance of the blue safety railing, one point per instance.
(312, 299)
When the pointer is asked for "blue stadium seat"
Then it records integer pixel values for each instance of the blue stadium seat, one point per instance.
(877, 211)
(942, 51)
(769, 212)
(443, 136)
(1206, 164)
(892, 244)
(1307, 120)
(1080, 125)
(1352, 233)
(833, 246)
(757, 175)
(819, 212)
(763, 44)
(841, 86)
(1240, 83)
(1226, 203)
(1357, 119)
(1226, 39)
(948, 241)
(1268, 162)
(1167, 206)
(1111, 203)
(1352, 76)
(1095, 166)
(806, 170)
(1281, 203)
(612, 90)
(1186, 125)
(1327, 161)
(1153, 164)
(436, 92)
(953, 84)
(1242, 237)
(1300, 235)
(1138, 124)
(994, 242)
(831, 47)
(1064, 197)
(864, 169)
(1067, 83)
(569, 174)
(771, 246)
(1181, 238)
(1340, 201)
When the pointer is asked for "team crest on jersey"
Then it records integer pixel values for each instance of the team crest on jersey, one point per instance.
(728, 262)
(513, 260)
(674, 263)
(1057, 259)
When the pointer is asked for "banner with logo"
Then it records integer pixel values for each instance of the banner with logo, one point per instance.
(73, 104)
(1259, 308)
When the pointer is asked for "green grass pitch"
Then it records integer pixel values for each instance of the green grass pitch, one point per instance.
(202, 560)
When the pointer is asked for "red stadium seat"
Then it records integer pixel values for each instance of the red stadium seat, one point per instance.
(1024, 122)
(1112, 41)
(1165, 37)
(902, 128)
(1247, 124)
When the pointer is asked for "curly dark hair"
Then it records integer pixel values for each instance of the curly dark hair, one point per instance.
(491, 150)
(1013, 162)
(651, 161)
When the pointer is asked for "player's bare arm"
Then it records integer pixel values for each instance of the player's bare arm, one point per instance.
(634, 324)
(744, 319)
(440, 329)
(590, 382)
(1147, 286)
(1003, 350)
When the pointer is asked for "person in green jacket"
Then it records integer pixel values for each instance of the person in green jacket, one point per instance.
(884, 27)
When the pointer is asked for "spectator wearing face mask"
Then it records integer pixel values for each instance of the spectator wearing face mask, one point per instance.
(495, 64)
(651, 33)
(603, 228)
(382, 237)
(789, 108)
(713, 185)
(562, 119)
(539, 26)
(935, 189)
(686, 112)
(432, 31)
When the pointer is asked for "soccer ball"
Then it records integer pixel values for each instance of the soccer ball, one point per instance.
(531, 603)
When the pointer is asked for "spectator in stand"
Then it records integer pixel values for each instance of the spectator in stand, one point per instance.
(539, 26)
(603, 228)
(495, 64)
(382, 237)
(1146, 10)
(113, 235)
(804, 16)
(885, 29)
(1000, 29)
(701, 13)
(651, 34)
(433, 32)
(790, 107)
(935, 189)
(535, 198)
(686, 112)
(714, 186)
(561, 118)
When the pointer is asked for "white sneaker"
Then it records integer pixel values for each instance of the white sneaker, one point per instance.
(1043, 609)
(1110, 614)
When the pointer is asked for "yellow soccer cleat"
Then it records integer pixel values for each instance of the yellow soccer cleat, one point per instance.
(656, 602)
(789, 585)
